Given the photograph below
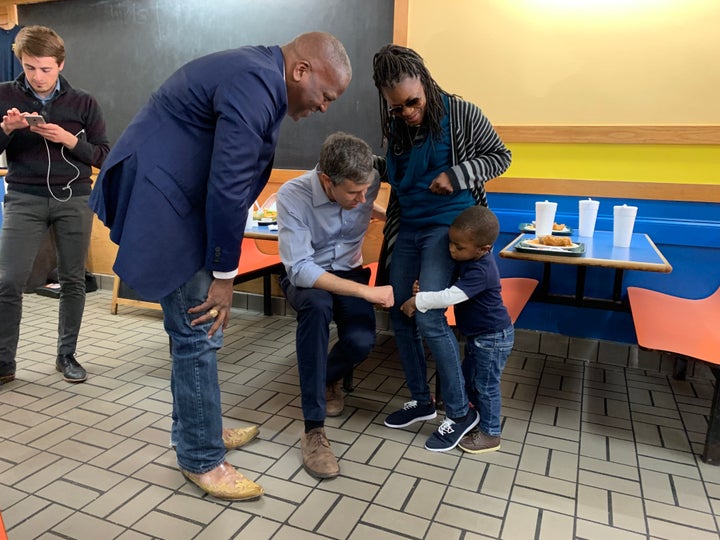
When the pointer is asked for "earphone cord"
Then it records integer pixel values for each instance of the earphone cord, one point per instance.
(47, 177)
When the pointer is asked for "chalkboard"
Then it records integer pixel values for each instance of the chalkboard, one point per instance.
(122, 50)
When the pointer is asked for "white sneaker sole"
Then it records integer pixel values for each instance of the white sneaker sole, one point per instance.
(418, 419)
(448, 448)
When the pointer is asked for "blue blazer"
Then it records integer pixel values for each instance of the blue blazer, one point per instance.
(176, 187)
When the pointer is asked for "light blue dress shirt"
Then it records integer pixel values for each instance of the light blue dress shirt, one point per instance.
(45, 100)
(317, 235)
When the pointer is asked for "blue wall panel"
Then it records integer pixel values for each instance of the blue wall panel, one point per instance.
(687, 234)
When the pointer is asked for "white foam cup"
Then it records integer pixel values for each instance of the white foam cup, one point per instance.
(544, 217)
(588, 210)
(623, 224)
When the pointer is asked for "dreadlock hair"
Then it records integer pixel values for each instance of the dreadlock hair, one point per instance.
(392, 64)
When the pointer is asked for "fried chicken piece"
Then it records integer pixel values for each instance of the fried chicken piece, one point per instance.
(562, 241)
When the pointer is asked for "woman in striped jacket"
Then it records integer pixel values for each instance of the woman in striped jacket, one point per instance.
(441, 151)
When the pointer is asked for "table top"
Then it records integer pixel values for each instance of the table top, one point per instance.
(261, 233)
(599, 251)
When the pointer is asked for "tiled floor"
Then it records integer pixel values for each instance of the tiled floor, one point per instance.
(590, 450)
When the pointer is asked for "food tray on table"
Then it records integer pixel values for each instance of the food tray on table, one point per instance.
(533, 246)
(530, 228)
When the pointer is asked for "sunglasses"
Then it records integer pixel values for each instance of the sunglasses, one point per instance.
(413, 103)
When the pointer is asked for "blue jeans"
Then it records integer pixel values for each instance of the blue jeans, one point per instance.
(355, 320)
(485, 359)
(26, 220)
(197, 415)
(424, 255)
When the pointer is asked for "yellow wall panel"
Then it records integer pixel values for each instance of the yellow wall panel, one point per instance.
(575, 61)
(641, 163)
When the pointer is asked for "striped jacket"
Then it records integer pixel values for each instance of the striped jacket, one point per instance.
(478, 155)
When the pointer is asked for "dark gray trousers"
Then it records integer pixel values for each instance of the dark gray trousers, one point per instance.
(26, 219)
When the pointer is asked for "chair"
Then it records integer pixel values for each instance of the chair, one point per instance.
(686, 327)
(516, 292)
(3, 533)
(678, 325)
(373, 266)
(253, 264)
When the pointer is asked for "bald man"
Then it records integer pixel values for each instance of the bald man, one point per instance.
(175, 191)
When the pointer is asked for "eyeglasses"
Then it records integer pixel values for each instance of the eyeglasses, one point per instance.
(413, 103)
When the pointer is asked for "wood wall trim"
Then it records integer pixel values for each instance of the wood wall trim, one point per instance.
(283, 175)
(102, 251)
(8, 16)
(661, 191)
(400, 22)
(18, 2)
(617, 134)
(604, 188)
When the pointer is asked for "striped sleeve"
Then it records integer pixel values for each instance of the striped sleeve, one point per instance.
(479, 154)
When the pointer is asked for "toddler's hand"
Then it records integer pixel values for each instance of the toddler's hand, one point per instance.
(409, 307)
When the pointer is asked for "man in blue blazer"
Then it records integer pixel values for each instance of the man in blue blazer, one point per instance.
(175, 192)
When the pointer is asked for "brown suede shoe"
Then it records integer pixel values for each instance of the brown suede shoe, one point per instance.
(334, 399)
(236, 437)
(224, 482)
(477, 442)
(318, 458)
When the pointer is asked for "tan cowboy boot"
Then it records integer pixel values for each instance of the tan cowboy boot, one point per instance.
(234, 438)
(224, 482)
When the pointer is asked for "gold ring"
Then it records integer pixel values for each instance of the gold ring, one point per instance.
(213, 313)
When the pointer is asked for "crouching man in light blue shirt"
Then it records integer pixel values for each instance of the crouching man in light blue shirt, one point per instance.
(323, 216)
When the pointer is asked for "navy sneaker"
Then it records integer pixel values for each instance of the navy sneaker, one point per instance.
(411, 412)
(449, 434)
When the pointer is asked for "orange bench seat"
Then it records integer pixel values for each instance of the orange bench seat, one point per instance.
(253, 264)
(516, 292)
(3, 533)
(689, 327)
(685, 327)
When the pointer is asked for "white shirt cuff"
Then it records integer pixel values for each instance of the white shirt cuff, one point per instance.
(225, 275)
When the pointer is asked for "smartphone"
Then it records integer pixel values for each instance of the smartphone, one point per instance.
(34, 120)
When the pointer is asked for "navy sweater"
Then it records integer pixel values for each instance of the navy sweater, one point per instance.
(27, 156)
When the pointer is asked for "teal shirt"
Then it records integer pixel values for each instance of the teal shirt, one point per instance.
(410, 174)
